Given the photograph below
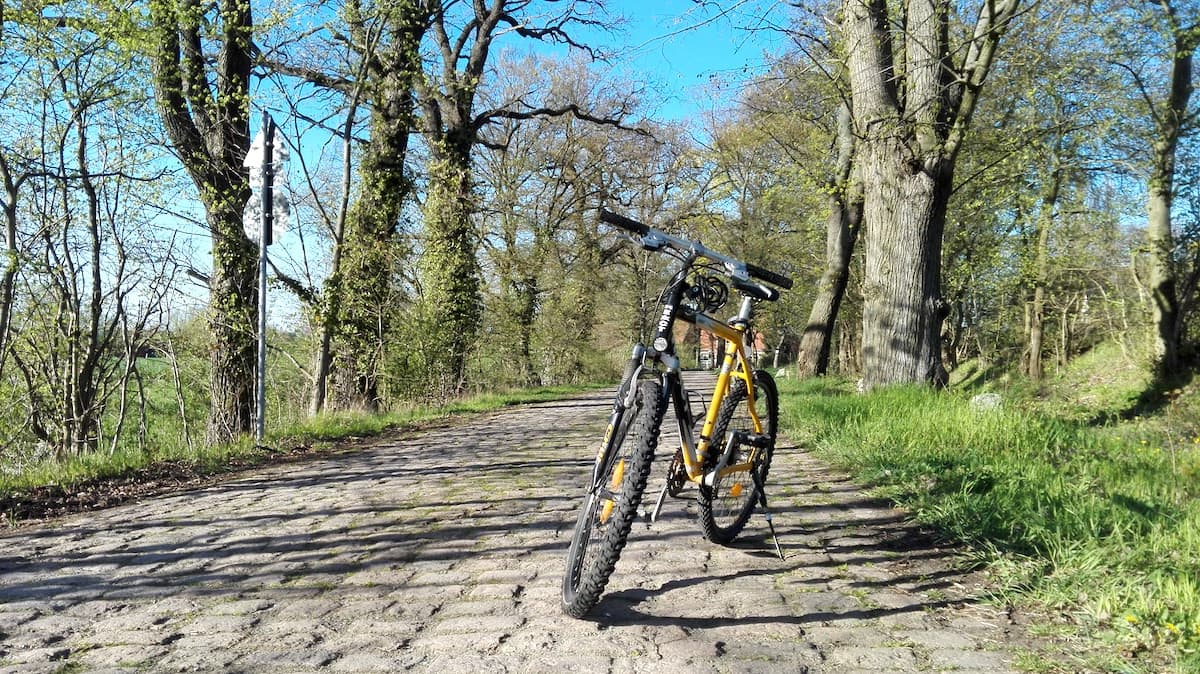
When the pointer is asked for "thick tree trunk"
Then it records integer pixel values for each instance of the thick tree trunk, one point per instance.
(451, 304)
(1164, 305)
(366, 286)
(364, 290)
(841, 233)
(903, 309)
(233, 320)
(204, 105)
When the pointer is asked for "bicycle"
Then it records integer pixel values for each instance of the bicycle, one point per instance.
(729, 460)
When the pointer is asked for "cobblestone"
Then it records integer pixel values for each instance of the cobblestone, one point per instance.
(442, 551)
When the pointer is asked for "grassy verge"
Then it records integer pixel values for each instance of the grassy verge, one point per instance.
(88, 473)
(1102, 526)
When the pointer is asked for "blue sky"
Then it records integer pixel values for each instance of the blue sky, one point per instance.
(695, 53)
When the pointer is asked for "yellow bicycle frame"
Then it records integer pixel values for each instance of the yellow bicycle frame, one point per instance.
(735, 365)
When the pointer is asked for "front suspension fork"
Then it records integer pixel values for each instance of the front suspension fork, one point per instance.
(626, 396)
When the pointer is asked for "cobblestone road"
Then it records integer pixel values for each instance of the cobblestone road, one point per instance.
(443, 552)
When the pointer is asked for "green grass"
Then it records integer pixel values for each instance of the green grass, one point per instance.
(1098, 523)
(319, 431)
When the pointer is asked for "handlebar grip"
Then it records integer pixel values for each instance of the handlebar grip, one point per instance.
(623, 222)
(756, 290)
(769, 276)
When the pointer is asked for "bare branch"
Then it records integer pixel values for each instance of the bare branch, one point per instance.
(571, 109)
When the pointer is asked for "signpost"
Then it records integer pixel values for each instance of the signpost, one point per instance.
(265, 217)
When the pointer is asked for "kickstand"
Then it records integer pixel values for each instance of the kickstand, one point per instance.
(762, 500)
(658, 504)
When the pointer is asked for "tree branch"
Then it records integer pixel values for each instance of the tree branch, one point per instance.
(571, 109)
(310, 75)
(298, 288)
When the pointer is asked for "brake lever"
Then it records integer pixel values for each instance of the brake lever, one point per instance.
(653, 242)
(653, 246)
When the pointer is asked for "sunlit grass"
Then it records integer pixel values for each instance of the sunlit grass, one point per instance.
(1077, 518)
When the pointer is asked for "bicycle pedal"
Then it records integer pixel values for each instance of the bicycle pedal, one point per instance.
(757, 440)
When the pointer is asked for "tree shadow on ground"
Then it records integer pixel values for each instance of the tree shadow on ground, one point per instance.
(1158, 396)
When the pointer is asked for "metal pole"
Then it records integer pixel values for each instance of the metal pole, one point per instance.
(263, 239)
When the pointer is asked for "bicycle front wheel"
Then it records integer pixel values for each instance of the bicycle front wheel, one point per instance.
(608, 512)
(726, 506)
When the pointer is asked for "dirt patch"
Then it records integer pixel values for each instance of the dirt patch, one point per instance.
(48, 502)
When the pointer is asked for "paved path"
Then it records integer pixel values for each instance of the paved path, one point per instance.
(443, 552)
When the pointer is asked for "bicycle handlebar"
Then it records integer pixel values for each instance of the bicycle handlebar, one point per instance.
(624, 222)
(734, 265)
(768, 276)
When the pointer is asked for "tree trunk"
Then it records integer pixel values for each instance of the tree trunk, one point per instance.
(233, 320)
(1037, 309)
(841, 233)
(1041, 275)
(1064, 336)
(8, 278)
(1170, 126)
(526, 294)
(364, 290)
(204, 105)
(1164, 305)
(366, 286)
(903, 310)
(451, 304)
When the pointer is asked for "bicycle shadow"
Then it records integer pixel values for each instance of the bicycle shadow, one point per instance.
(849, 557)
(620, 609)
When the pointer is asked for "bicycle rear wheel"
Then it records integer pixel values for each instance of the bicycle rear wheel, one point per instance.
(726, 506)
(608, 513)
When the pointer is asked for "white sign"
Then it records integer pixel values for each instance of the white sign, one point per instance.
(256, 155)
(281, 212)
(280, 203)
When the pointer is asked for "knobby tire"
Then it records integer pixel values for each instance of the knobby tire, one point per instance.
(598, 540)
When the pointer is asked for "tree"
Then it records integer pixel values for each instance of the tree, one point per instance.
(824, 79)
(450, 308)
(1037, 167)
(540, 184)
(1170, 116)
(360, 292)
(378, 64)
(841, 233)
(205, 107)
(83, 296)
(913, 95)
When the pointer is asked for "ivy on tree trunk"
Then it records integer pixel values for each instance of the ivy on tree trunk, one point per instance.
(364, 292)
(205, 107)
(451, 307)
